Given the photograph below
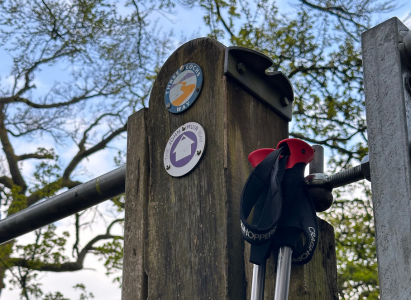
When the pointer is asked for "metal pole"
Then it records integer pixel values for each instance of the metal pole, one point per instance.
(58, 207)
(342, 178)
(317, 164)
(351, 175)
(257, 288)
(386, 62)
(282, 284)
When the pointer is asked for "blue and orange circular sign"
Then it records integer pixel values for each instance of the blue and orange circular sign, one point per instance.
(183, 88)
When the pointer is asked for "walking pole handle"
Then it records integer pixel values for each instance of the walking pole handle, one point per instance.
(298, 216)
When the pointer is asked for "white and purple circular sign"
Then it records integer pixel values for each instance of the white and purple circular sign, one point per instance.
(184, 149)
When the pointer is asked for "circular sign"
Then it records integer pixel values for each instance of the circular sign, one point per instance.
(184, 149)
(183, 88)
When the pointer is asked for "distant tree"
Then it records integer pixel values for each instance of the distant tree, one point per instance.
(105, 61)
(110, 60)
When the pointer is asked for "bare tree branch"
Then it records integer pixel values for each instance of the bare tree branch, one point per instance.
(10, 155)
(28, 72)
(322, 142)
(220, 17)
(51, 187)
(6, 181)
(33, 155)
(314, 67)
(85, 153)
(52, 105)
(68, 266)
(337, 11)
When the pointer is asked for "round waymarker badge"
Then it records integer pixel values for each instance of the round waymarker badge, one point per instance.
(183, 88)
(184, 149)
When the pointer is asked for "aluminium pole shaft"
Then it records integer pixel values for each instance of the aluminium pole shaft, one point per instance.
(257, 288)
(63, 205)
(282, 284)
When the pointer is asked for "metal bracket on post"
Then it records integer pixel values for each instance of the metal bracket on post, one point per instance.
(320, 185)
(248, 67)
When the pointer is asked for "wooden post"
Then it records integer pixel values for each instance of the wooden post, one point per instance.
(187, 237)
(135, 231)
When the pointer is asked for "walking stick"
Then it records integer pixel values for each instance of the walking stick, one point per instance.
(283, 210)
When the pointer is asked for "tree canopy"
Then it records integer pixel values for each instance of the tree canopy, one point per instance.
(110, 53)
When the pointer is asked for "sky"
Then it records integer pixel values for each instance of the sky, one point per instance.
(184, 23)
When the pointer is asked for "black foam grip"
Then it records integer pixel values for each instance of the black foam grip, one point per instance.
(298, 216)
(263, 192)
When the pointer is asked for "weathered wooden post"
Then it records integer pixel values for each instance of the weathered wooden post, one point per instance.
(387, 69)
(182, 234)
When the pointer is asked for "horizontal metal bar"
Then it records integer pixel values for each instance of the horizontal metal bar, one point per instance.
(345, 177)
(342, 178)
(63, 205)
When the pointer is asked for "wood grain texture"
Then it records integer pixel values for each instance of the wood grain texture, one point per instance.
(187, 216)
(134, 277)
(250, 125)
(193, 246)
(316, 280)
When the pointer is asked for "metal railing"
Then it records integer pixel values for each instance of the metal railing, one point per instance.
(63, 205)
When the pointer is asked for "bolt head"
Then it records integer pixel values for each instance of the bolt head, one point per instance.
(241, 68)
(197, 90)
(168, 167)
(183, 128)
(168, 105)
(285, 101)
(182, 68)
(198, 152)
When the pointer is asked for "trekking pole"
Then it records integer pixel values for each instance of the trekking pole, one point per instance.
(257, 287)
(285, 253)
(283, 273)
(298, 216)
(283, 209)
(259, 234)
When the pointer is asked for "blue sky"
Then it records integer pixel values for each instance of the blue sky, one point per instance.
(184, 23)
